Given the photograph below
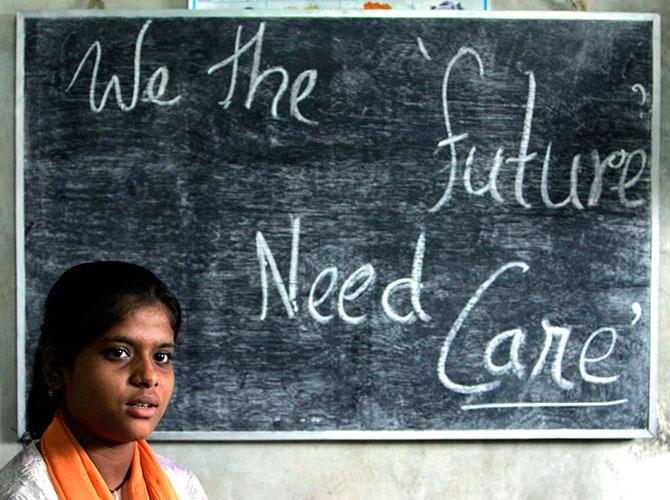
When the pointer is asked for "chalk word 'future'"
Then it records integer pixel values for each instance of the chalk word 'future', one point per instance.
(619, 159)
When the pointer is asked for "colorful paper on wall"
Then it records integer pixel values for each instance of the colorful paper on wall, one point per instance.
(341, 4)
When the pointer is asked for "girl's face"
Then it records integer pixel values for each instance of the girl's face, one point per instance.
(119, 386)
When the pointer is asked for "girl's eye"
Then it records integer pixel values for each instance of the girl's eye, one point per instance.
(117, 353)
(163, 357)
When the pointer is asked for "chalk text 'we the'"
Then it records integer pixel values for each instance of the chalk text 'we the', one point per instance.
(155, 88)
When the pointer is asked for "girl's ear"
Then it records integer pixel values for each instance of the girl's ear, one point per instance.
(53, 370)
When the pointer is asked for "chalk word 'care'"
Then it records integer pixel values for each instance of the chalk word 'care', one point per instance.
(516, 338)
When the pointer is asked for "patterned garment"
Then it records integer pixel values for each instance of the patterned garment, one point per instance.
(26, 477)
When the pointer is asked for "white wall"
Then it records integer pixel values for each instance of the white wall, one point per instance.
(615, 469)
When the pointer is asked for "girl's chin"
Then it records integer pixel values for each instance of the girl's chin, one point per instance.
(128, 433)
(139, 431)
(117, 431)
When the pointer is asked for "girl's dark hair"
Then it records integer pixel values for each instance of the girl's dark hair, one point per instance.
(84, 303)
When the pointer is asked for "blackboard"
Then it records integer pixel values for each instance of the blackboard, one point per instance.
(380, 227)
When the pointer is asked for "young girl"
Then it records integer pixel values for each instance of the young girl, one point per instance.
(102, 379)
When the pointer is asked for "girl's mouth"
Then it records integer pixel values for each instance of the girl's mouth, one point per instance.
(143, 407)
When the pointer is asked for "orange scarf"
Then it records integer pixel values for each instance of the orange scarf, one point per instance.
(75, 477)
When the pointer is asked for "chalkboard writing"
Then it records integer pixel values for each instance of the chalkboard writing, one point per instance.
(379, 226)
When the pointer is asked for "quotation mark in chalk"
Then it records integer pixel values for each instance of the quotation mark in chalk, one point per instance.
(643, 94)
(637, 310)
(422, 48)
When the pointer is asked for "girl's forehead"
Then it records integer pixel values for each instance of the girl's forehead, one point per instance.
(146, 324)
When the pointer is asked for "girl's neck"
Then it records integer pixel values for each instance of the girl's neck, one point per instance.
(113, 460)
(113, 463)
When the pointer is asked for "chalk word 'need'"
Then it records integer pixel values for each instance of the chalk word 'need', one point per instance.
(300, 89)
(620, 159)
(154, 90)
(350, 290)
(516, 339)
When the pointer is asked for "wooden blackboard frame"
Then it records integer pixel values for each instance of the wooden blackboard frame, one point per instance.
(357, 435)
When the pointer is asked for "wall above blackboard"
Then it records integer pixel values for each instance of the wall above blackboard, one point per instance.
(380, 226)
